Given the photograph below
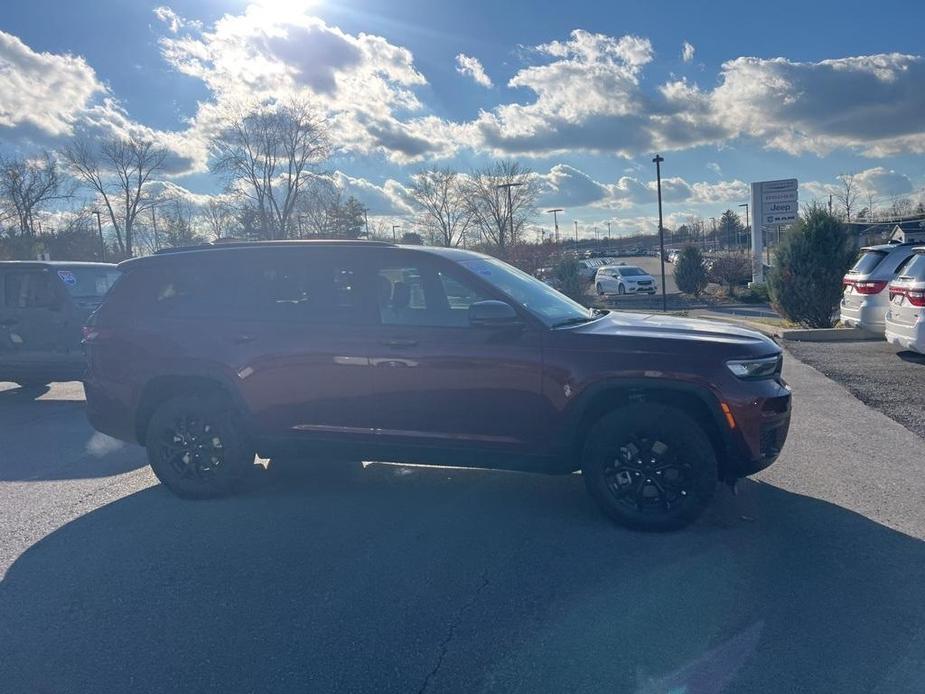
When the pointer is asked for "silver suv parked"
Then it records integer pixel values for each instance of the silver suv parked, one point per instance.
(865, 299)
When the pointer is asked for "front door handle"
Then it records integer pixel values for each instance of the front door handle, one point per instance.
(399, 342)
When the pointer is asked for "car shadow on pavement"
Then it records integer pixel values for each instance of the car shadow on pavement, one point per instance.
(45, 436)
(912, 357)
(398, 579)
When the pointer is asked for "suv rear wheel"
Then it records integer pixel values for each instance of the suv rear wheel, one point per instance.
(651, 467)
(196, 446)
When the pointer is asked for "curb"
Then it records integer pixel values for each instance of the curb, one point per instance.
(829, 335)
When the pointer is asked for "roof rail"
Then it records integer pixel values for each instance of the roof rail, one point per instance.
(221, 243)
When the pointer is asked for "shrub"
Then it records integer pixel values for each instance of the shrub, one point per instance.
(805, 283)
(756, 294)
(690, 274)
(569, 280)
(730, 270)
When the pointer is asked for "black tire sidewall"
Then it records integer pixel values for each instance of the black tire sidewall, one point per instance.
(239, 454)
(677, 429)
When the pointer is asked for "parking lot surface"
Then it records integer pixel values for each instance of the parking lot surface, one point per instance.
(874, 372)
(390, 578)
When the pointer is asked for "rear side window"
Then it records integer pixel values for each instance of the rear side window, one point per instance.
(868, 262)
(308, 288)
(87, 282)
(28, 289)
(913, 268)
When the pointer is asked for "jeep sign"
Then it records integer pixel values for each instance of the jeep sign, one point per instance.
(774, 203)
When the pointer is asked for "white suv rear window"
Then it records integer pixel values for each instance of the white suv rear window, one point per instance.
(868, 261)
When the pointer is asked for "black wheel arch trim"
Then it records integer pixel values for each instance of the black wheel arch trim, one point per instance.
(604, 395)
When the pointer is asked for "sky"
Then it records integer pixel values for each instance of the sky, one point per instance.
(582, 93)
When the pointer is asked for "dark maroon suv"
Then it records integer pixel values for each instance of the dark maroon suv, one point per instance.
(366, 350)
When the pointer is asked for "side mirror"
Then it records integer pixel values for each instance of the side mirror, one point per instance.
(493, 314)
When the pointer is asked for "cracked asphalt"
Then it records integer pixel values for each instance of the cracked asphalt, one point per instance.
(385, 578)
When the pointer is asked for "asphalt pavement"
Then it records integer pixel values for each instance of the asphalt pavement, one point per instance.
(389, 578)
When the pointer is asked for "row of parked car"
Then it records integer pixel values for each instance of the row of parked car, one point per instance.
(884, 292)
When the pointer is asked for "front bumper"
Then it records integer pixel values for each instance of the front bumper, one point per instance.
(761, 430)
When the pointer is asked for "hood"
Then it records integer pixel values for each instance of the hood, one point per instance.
(657, 326)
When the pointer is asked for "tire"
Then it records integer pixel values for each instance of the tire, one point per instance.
(665, 492)
(197, 448)
(621, 289)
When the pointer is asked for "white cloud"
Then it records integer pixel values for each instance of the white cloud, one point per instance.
(363, 83)
(872, 104)
(568, 187)
(467, 65)
(45, 92)
(391, 198)
(687, 51)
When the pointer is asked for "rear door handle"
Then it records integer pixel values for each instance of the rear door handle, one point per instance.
(399, 342)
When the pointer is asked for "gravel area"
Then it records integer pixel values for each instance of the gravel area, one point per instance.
(874, 372)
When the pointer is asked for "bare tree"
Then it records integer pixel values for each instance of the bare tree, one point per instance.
(118, 170)
(440, 195)
(219, 215)
(847, 194)
(268, 154)
(900, 207)
(488, 201)
(26, 185)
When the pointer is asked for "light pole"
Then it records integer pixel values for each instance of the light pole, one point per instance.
(510, 206)
(555, 220)
(714, 233)
(608, 231)
(576, 234)
(661, 228)
(99, 226)
(747, 223)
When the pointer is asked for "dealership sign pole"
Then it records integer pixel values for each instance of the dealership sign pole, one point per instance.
(774, 203)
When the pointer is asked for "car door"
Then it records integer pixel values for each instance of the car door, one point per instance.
(435, 379)
(300, 343)
(32, 320)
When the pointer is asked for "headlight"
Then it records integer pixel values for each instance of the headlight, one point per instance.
(765, 367)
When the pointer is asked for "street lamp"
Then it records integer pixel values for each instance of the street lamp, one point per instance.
(555, 220)
(747, 224)
(99, 226)
(661, 229)
(714, 232)
(576, 234)
(510, 205)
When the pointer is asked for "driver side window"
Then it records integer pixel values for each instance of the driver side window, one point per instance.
(418, 295)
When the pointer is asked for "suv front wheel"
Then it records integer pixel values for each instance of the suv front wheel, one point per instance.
(196, 446)
(649, 467)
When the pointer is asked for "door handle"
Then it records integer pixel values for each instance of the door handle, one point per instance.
(399, 342)
(243, 339)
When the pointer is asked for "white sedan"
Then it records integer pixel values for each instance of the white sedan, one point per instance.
(623, 279)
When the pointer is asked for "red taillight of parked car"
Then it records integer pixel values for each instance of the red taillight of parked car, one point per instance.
(865, 286)
(916, 297)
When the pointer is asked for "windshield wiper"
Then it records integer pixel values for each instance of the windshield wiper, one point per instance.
(574, 320)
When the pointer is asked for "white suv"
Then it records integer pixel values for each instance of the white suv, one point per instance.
(623, 279)
(905, 318)
(865, 301)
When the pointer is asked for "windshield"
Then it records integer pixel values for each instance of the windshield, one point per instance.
(867, 262)
(88, 282)
(538, 298)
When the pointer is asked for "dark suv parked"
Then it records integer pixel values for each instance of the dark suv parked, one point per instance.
(371, 351)
(43, 306)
